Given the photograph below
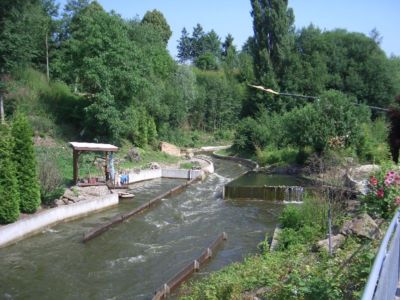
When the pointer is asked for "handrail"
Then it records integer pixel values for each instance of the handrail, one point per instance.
(373, 279)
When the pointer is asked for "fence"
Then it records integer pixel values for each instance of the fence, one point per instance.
(122, 217)
(189, 269)
(384, 276)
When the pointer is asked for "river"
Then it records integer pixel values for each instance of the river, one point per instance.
(132, 260)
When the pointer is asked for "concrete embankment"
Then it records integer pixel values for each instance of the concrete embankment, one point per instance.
(246, 162)
(13, 232)
(142, 175)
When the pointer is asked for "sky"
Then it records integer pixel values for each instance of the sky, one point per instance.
(233, 16)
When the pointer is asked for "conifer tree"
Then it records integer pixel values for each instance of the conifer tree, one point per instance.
(9, 195)
(26, 166)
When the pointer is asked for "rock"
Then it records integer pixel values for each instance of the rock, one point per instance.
(133, 155)
(337, 241)
(189, 155)
(59, 202)
(254, 295)
(154, 166)
(357, 178)
(352, 206)
(362, 226)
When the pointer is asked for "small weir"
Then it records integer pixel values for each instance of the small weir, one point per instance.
(272, 193)
(256, 185)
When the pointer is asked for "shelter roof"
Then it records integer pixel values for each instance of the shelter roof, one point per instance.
(93, 147)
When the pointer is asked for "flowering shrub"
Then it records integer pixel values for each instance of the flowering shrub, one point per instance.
(384, 194)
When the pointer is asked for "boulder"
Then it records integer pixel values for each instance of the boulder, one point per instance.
(362, 226)
(352, 206)
(337, 241)
(133, 155)
(357, 178)
(59, 202)
(154, 166)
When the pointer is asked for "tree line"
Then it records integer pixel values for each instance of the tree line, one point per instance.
(99, 77)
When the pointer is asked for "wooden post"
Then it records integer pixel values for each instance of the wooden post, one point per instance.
(75, 155)
(106, 167)
(1, 109)
(47, 58)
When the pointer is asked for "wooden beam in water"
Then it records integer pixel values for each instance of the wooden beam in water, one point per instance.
(192, 267)
(91, 234)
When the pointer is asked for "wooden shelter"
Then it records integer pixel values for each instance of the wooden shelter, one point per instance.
(78, 148)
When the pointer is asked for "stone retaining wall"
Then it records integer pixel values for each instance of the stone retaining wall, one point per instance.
(13, 232)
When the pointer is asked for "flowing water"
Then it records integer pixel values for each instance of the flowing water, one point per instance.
(132, 260)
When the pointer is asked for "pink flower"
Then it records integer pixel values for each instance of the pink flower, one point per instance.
(380, 193)
(397, 200)
(397, 179)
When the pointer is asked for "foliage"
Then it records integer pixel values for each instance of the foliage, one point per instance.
(22, 35)
(383, 196)
(156, 18)
(9, 193)
(373, 142)
(332, 122)
(51, 180)
(204, 49)
(190, 165)
(279, 157)
(26, 165)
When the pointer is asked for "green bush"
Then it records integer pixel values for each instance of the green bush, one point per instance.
(271, 156)
(291, 217)
(9, 193)
(26, 165)
(373, 142)
(51, 181)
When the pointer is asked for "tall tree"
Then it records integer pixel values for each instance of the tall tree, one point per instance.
(9, 194)
(197, 41)
(26, 165)
(211, 44)
(228, 44)
(272, 21)
(184, 46)
(270, 48)
(156, 18)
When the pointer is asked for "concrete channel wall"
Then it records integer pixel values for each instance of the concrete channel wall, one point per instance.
(247, 162)
(163, 173)
(30, 225)
(143, 175)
